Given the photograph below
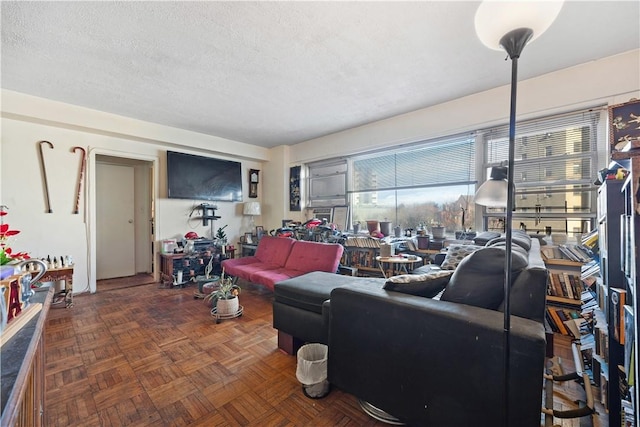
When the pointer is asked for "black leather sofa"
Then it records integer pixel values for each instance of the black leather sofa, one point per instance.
(428, 361)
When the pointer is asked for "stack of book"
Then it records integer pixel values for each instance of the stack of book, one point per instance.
(362, 242)
(575, 253)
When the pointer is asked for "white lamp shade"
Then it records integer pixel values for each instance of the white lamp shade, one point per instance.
(251, 208)
(495, 18)
(492, 193)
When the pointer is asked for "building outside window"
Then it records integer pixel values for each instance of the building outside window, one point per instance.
(558, 157)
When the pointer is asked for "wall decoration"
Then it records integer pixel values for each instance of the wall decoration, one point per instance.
(254, 179)
(624, 122)
(294, 188)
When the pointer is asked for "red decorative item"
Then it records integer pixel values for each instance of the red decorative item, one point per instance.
(15, 305)
(6, 253)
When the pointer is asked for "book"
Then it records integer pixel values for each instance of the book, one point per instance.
(617, 298)
(573, 328)
(558, 322)
(629, 338)
(568, 285)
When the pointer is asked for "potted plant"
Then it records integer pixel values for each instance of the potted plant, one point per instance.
(224, 299)
(437, 230)
(221, 236)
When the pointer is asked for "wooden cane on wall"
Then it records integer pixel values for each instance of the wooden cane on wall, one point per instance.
(83, 164)
(44, 175)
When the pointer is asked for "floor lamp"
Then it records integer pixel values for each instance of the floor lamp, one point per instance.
(509, 26)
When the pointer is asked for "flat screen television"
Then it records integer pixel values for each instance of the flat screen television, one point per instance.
(203, 178)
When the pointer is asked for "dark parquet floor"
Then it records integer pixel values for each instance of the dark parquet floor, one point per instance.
(146, 356)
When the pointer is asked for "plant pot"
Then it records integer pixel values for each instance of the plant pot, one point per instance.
(373, 225)
(385, 228)
(228, 307)
(423, 242)
(438, 232)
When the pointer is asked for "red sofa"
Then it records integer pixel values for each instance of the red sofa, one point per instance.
(278, 259)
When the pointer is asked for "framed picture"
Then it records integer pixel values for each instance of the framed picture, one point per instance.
(624, 122)
(248, 238)
(254, 179)
(340, 217)
(259, 232)
(294, 188)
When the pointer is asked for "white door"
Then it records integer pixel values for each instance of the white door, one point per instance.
(115, 252)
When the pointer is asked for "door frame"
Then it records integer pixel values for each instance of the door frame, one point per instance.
(91, 187)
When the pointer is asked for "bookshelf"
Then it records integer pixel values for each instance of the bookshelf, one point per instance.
(610, 352)
(360, 252)
(564, 288)
(624, 313)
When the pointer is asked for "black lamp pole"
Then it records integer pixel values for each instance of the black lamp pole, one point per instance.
(513, 42)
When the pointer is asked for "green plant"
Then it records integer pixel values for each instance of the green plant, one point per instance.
(220, 233)
(227, 289)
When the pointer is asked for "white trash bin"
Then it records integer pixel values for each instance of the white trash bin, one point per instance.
(311, 370)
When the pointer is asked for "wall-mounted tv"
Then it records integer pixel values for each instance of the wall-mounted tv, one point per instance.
(203, 178)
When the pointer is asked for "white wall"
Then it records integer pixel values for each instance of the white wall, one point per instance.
(63, 233)
(609, 80)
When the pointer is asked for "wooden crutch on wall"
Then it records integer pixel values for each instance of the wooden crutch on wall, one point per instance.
(44, 175)
(83, 164)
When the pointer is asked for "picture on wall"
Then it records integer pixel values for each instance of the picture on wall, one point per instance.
(624, 122)
(294, 188)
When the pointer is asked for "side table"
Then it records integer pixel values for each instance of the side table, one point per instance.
(63, 273)
(247, 249)
(397, 264)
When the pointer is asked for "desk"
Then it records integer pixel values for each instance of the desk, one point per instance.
(397, 264)
(63, 273)
(192, 265)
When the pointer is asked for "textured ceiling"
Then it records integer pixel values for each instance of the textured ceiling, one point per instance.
(272, 73)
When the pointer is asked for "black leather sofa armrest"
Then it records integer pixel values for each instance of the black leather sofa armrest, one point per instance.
(430, 362)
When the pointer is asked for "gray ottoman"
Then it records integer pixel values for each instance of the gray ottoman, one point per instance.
(301, 306)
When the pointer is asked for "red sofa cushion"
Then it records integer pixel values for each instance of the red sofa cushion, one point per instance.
(269, 278)
(274, 250)
(243, 267)
(313, 256)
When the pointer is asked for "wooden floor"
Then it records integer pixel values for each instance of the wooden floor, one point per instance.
(124, 282)
(145, 356)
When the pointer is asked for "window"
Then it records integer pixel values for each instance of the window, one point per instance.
(428, 182)
(327, 183)
(555, 162)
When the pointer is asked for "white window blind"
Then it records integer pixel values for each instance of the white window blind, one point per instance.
(447, 161)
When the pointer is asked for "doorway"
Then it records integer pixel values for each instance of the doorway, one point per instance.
(124, 222)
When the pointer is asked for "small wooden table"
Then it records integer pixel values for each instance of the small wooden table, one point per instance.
(397, 264)
(63, 273)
